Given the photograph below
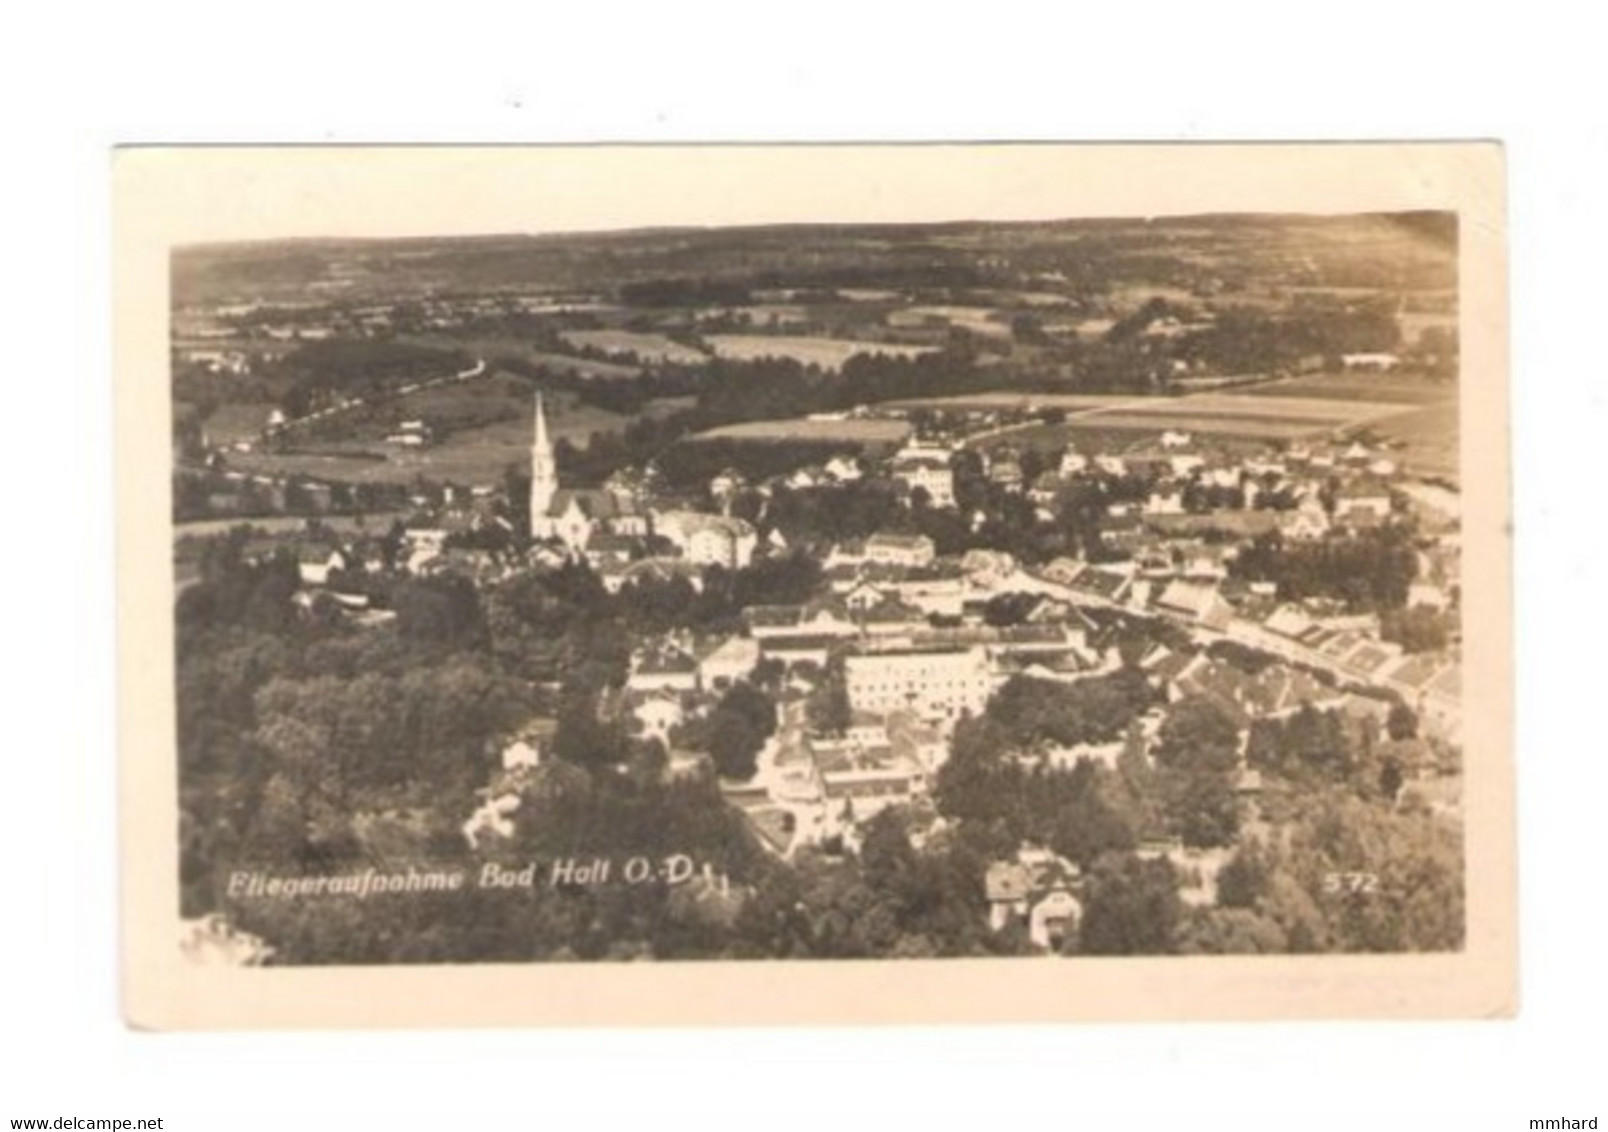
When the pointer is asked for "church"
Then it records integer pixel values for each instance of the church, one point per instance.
(573, 516)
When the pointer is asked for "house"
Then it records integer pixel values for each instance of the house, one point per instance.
(1165, 501)
(1046, 488)
(1362, 504)
(410, 434)
(708, 540)
(915, 741)
(1036, 889)
(937, 593)
(844, 469)
(1053, 917)
(926, 468)
(827, 617)
(1429, 596)
(315, 564)
(727, 662)
(892, 616)
(854, 795)
(726, 484)
(604, 550)
(1006, 472)
(521, 754)
(1103, 584)
(1373, 363)
(656, 713)
(1306, 523)
(1007, 887)
(1288, 621)
(662, 667)
(889, 548)
(987, 567)
(798, 648)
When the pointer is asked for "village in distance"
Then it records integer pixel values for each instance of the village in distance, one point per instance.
(1064, 588)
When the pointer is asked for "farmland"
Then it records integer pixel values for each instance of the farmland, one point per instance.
(1356, 387)
(1427, 439)
(476, 453)
(1419, 417)
(858, 431)
(1006, 401)
(978, 320)
(825, 353)
(496, 348)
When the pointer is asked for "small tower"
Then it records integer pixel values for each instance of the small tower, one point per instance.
(543, 473)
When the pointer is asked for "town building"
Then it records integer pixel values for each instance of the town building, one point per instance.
(931, 683)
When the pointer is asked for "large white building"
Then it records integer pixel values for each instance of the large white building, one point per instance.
(708, 540)
(932, 683)
(928, 469)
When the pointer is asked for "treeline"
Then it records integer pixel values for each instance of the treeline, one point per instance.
(356, 368)
(1369, 571)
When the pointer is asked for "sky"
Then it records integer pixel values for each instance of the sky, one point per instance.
(206, 194)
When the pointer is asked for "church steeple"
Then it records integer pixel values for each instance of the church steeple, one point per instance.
(543, 472)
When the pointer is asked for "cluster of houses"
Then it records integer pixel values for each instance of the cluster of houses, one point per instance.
(903, 633)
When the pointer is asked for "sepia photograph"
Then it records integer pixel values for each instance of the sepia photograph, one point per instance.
(1072, 575)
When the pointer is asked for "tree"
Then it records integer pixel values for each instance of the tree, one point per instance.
(441, 611)
(1131, 907)
(738, 728)
(1198, 735)
(1230, 931)
(1202, 806)
(1402, 722)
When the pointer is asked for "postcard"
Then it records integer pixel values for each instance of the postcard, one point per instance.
(847, 584)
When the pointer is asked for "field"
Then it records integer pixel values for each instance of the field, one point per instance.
(1206, 424)
(979, 320)
(1357, 387)
(1418, 418)
(1423, 431)
(474, 455)
(1006, 402)
(1299, 414)
(859, 431)
(1428, 439)
(647, 347)
(826, 353)
(494, 349)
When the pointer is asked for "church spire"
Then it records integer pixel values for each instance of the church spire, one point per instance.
(543, 473)
(541, 443)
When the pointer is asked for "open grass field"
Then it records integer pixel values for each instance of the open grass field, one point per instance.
(979, 320)
(1006, 401)
(1427, 439)
(859, 431)
(647, 347)
(1357, 387)
(1207, 424)
(470, 455)
(495, 349)
(1297, 411)
(1243, 415)
(826, 353)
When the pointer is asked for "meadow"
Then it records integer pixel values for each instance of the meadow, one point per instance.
(858, 430)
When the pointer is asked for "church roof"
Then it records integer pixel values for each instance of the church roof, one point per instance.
(594, 503)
